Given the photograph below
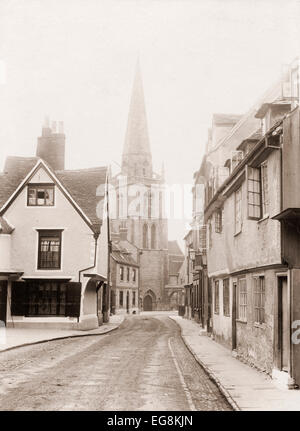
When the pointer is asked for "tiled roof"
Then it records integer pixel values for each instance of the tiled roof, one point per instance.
(121, 254)
(87, 188)
(174, 267)
(15, 170)
(174, 248)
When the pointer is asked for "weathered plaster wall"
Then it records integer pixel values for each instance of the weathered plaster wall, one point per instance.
(258, 243)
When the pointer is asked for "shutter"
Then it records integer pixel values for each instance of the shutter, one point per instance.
(73, 298)
(18, 298)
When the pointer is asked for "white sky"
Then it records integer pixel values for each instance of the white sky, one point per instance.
(74, 60)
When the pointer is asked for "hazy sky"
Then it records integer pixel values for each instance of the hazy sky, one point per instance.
(74, 60)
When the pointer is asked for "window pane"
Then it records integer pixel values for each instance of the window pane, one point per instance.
(49, 253)
(31, 196)
(49, 196)
(41, 197)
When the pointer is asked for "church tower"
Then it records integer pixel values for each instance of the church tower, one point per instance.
(139, 214)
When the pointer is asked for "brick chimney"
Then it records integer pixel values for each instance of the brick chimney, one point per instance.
(51, 145)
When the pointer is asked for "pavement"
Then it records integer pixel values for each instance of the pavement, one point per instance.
(244, 387)
(11, 338)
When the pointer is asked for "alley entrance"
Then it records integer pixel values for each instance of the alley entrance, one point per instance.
(283, 323)
(3, 301)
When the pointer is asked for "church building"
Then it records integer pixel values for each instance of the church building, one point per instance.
(139, 211)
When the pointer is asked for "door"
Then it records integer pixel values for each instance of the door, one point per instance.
(283, 323)
(234, 314)
(147, 303)
(127, 302)
(3, 302)
(209, 306)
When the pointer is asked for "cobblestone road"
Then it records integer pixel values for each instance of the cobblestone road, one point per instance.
(144, 365)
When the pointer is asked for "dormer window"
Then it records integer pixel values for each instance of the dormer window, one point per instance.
(40, 195)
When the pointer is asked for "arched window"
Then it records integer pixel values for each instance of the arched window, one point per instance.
(150, 202)
(145, 236)
(153, 236)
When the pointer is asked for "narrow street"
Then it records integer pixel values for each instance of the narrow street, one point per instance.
(144, 365)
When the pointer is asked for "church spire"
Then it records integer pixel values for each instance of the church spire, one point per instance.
(137, 159)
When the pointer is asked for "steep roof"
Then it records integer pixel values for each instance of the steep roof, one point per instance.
(85, 186)
(121, 254)
(15, 170)
(174, 266)
(137, 138)
(173, 248)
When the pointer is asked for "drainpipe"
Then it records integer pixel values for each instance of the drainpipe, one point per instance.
(96, 236)
(138, 273)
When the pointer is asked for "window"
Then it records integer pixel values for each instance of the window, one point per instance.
(226, 302)
(238, 211)
(153, 236)
(254, 193)
(121, 298)
(210, 234)
(264, 189)
(145, 236)
(40, 195)
(47, 299)
(242, 300)
(133, 299)
(218, 221)
(49, 253)
(259, 299)
(121, 273)
(217, 296)
(128, 273)
(134, 275)
(150, 203)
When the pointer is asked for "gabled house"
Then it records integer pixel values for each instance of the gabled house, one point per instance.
(53, 240)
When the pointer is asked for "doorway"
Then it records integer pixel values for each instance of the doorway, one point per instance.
(148, 303)
(234, 315)
(3, 302)
(283, 324)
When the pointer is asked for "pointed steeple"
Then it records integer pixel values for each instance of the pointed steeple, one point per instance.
(137, 159)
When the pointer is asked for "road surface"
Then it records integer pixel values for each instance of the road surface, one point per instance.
(144, 365)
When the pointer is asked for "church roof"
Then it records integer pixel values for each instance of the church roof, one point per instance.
(173, 248)
(174, 266)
